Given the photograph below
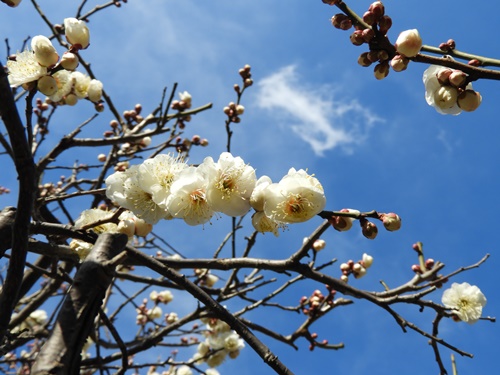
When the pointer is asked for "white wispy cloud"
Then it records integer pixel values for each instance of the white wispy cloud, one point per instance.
(314, 114)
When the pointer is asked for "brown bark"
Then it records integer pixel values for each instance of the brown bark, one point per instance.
(61, 353)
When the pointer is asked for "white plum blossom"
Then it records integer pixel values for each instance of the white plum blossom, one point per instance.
(77, 32)
(296, 198)
(44, 51)
(64, 85)
(156, 176)
(24, 69)
(258, 197)
(94, 91)
(231, 183)
(442, 95)
(81, 84)
(186, 98)
(124, 188)
(94, 215)
(465, 300)
(264, 224)
(47, 85)
(188, 197)
(154, 313)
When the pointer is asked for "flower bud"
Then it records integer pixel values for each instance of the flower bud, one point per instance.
(319, 245)
(94, 90)
(101, 157)
(399, 63)
(369, 18)
(367, 260)
(47, 85)
(344, 278)
(381, 70)
(368, 35)
(384, 24)
(357, 38)
(391, 221)
(377, 8)
(338, 19)
(409, 43)
(342, 223)
(69, 61)
(369, 230)
(12, 3)
(77, 33)
(469, 100)
(445, 97)
(363, 60)
(443, 76)
(457, 78)
(142, 229)
(70, 99)
(240, 109)
(45, 53)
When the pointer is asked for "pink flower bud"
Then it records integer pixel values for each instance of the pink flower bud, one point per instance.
(399, 63)
(363, 60)
(469, 100)
(377, 8)
(457, 78)
(409, 43)
(369, 230)
(391, 221)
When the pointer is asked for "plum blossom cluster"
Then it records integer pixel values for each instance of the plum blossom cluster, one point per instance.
(449, 91)
(166, 187)
(317, 302)
(100, 221)
(55, 77)
(220, 342)
(357, 269)
(465, 301)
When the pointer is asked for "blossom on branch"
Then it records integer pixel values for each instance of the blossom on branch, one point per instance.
(465, 300)
(296, 198)
(24, 69)
(409, 43)
(45, 53)
(77, 33)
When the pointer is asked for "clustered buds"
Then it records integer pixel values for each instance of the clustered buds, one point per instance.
(448, 46)
(233, 111)
(357, 269)
(317, 302)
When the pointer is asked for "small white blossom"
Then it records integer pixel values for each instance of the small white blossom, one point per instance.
(124, 188)
(231, 183)
(81, 84)
(465, 300)
(94, 91)
(94, 215)
(264, 224)
(24, 69)
(154, 313)
(64, 85)
(183, 370)
(296, 198)
(186, 98)
(156, 176)
(367, 260)
(409, 43)
(188, 197)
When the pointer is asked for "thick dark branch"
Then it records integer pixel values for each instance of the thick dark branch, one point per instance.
(26, 175)
(61, 352)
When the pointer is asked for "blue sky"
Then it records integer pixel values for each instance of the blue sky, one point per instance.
(372, 144)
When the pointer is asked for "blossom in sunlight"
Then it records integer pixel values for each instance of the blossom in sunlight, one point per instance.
(391, 221)
(165, 296)
(465, 300)
(263, 224)
(154, 313)
(81, 84)
(94, 215)
(367, 260)
(69, 60)
(77, 33)
(47, 85)
(81, 248)
(258, 197)
(409, 43)
(188, 197)
(44, 51)
(186, 98)
(442, 87)
(124, 188)
(94, 91)
(36, 319)
(296, 198)
(231, 183)
(156, 176)
(24, 69)
(212, 371)
(64, 85)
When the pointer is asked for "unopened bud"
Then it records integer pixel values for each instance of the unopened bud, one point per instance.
(357, 38)
(391, 221)
(469, 100)
(457, 78)
(443, 76)
(384, 24)
(47, 85)
(377, 8)
(77, 33)
(101, 157)
(338, 19)
(381, 70)
(70, 99)
(399, 63)
(363, 60)
(319, 245)
(409, 43)
(69, 61)
(429, 263)
(45, 53)
(367, 260)
(369, 230)
(368, 35)
(369, 18)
